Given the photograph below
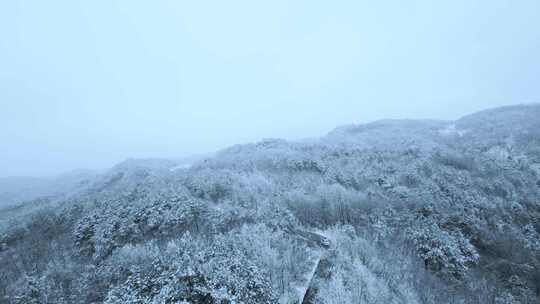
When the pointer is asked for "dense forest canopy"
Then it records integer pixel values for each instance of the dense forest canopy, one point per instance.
(394, 211)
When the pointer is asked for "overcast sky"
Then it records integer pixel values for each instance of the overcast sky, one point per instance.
(86, 84)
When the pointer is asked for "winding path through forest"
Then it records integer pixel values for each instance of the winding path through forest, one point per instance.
(322, 264)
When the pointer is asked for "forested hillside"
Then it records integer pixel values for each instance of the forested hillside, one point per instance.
(394, 211)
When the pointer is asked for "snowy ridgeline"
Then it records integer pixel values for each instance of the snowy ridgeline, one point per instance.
(395, 211)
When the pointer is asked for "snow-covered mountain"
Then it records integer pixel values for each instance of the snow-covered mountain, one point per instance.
(394, 211)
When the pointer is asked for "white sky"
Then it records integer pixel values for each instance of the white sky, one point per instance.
(86, 84)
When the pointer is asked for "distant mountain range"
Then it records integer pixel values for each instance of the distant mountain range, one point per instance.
(15, 190)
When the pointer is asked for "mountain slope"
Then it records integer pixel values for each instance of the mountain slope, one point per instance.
(414, 212)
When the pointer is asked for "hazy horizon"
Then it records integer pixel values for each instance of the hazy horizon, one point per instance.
(89, 84)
